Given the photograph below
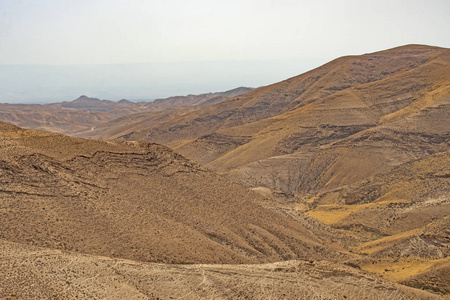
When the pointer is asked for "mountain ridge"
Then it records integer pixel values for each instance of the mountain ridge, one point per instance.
(136, 200)
(374, 93)
(83, 115)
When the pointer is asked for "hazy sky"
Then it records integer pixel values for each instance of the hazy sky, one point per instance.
(171, 35)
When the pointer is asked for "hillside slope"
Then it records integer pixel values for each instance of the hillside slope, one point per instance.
(403, 217)
(335, 125)
(157, 112)
(136, 200)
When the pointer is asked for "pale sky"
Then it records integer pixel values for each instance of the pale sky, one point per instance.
(276, 39)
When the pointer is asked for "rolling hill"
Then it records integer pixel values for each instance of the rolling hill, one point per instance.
(347, 165)
(359, 144)
(92, 219)
(345, 121)
(138, 201)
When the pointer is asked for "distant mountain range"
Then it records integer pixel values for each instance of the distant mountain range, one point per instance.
(85, 113)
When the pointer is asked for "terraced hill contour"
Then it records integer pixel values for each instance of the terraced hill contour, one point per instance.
(136, 200)
(335, 125)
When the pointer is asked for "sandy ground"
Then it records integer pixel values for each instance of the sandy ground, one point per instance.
(37, 273)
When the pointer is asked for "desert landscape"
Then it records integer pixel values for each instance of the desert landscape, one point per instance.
(84, 115)
(334, 184)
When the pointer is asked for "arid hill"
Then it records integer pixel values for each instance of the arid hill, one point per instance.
(138, 201)
(52, 117)
(85, 103)
(360, 144)
(347, 165)
(62, 198)
(83, 115)
(65, 117)
(333, 126)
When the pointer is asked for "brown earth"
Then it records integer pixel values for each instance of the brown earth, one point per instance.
(145, 203)
(29, 272)
(402, 218)
(348, 163)
(139, 201)
(433, 280)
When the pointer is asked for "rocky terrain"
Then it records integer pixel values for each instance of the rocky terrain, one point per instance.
(402, 218)
(46, 273)
(334, 184)
(139, 201)
(360, 144)
(88, 217)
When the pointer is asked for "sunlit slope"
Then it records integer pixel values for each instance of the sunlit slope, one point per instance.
(29, 272)
(136, 200)
(335, 125)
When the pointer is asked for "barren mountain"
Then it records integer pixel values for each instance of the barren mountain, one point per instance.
(83, 115)
(139, 201)
(360, 144)
(342, 122)
(51, 117)
(157, 112)
(85, 103)
(349, 173)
